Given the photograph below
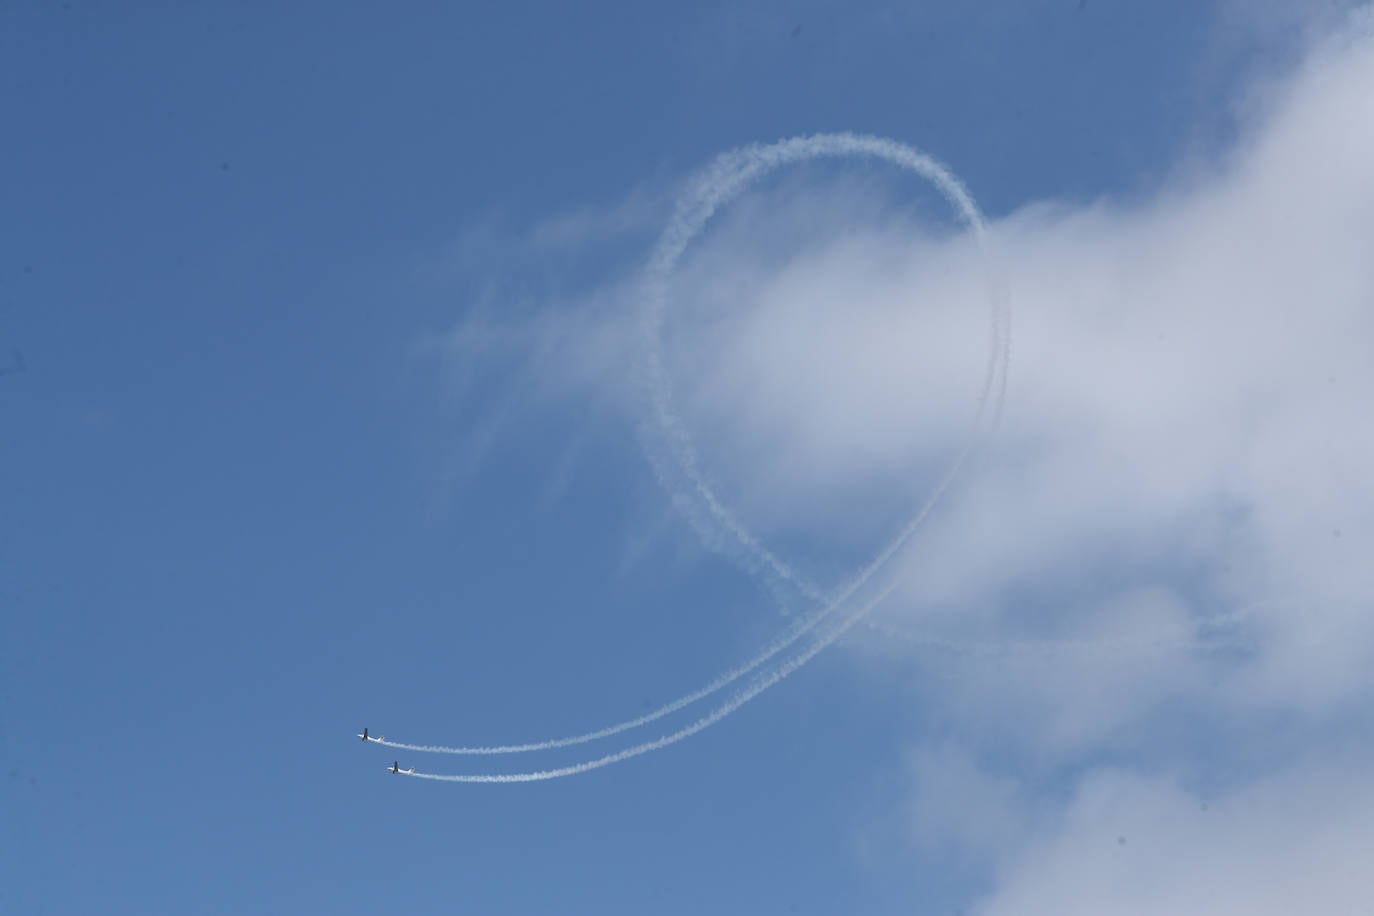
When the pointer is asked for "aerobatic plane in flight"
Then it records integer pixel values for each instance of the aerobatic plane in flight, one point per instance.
(366, 737)
(396, 768)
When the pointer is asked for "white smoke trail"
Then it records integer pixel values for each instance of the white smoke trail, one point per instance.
(795, 632)
(725, 709)
(730, 174)
(726, 177)
(762, 684)
(720, 683)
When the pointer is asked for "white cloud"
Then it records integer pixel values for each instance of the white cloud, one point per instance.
(1176, 522)
(1295, 843)
(1188, 413)
(962, 811)
(1190, 436)
(1188, 401)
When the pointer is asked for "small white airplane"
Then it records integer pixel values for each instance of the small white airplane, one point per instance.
(366, 737)
(396, 768)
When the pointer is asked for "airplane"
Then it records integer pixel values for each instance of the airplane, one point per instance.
(366, 737)
(396, 768)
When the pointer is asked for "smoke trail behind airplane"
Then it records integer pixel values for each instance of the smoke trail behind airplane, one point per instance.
(728, 176)
(761, 684)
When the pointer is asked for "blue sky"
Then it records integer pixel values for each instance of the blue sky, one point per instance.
(327, 417)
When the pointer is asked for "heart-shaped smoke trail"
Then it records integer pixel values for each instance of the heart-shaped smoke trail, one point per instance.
(669, 446)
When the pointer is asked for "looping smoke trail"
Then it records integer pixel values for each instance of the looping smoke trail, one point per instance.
(726, 177)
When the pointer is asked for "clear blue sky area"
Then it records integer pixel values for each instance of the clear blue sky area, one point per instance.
(238, 522)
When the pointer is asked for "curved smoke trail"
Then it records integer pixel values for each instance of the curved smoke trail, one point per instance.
(795, 632)
(725, 709)
(725, 178)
